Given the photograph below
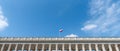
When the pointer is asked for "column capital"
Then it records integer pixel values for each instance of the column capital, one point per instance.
(69, 46)
(29, 47)
(49, 47)
(103, 47)
(76, 47)
(110, 48)
(83, 47)
(43, 47)
(63, 47)
(90, 49)
(23, 47)
(16, 47)
(9, 47)
(116, 46)
(96, 47)
(36, 48)
(2, 47)
(56, 47)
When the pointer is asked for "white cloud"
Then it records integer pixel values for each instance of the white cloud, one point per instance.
(3, 21)
(89, 27)
(105, 14)
(71, 35)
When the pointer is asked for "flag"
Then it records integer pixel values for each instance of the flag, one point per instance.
(61, 30)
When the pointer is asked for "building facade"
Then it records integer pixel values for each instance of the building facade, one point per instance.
(59, 44)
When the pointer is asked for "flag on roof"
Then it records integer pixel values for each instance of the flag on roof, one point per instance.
(61, 30)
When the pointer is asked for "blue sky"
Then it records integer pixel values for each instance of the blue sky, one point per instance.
(44, 18)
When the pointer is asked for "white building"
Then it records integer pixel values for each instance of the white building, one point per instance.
(59, 44)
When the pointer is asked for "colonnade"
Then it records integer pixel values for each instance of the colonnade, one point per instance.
(59, 47)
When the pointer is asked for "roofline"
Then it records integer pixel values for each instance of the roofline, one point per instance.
(57, 39)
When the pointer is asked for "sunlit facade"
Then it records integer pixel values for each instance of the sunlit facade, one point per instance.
(59, 44)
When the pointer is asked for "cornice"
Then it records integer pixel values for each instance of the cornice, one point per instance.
(59, 39)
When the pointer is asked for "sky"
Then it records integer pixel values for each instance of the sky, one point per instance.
(44, 18)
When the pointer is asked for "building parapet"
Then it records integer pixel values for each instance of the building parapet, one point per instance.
(59, 39)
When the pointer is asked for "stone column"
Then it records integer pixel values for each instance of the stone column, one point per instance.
(9, 47)
(69, 47)
(83, 47)
(56, 47)
(76, 47)
(23, 47)
(16, 47)
(110, 48)
(96, 47)
(43, 47)
(103, 47)
(90, 49)
(63, 48)
(49, 47)
(116, 46)
(36, 47)
(29, 47)
(2, 47)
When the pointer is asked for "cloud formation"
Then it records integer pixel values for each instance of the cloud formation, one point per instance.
(3, 20)
(89, 27)
(71, 35)
(105, 18)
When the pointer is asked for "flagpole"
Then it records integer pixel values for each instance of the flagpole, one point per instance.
(59, 34)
